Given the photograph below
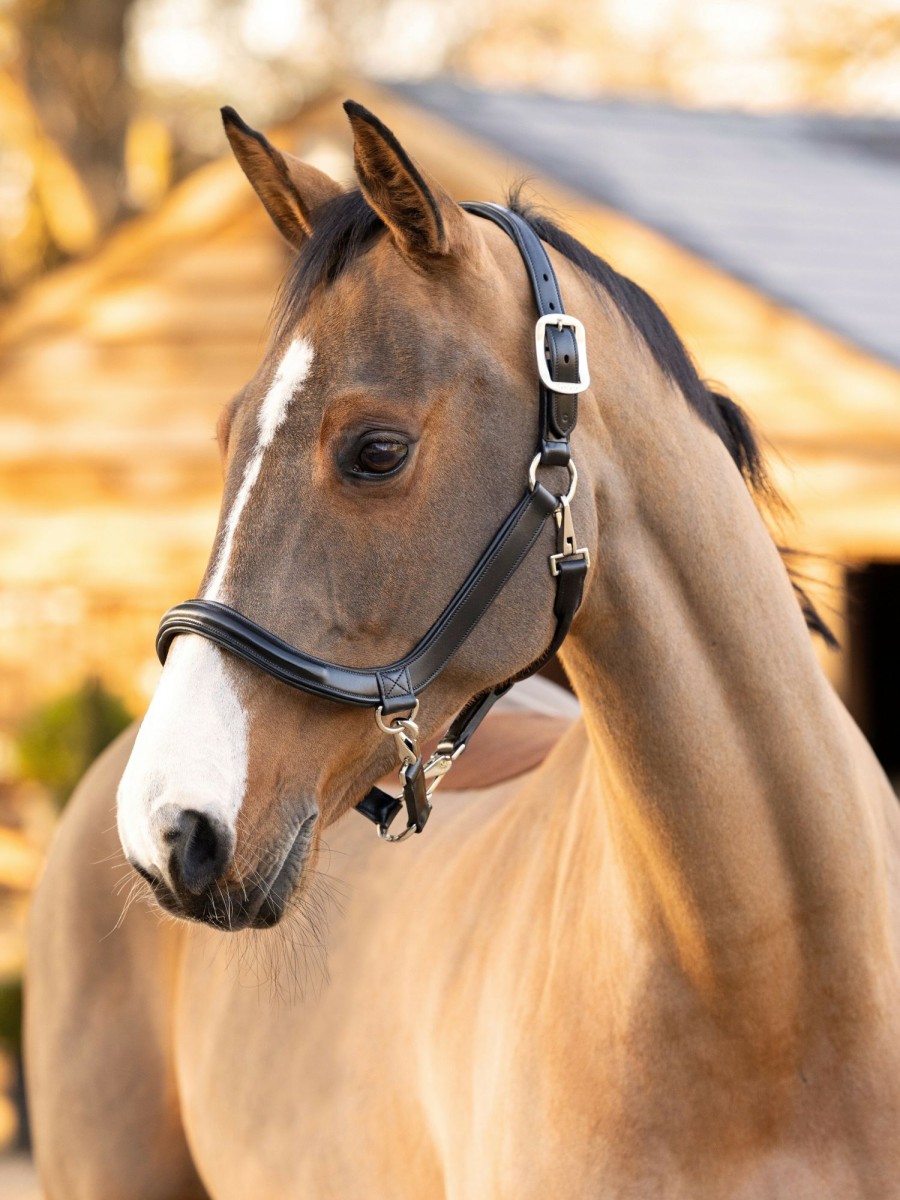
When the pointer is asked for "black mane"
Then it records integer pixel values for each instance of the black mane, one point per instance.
(346, 226)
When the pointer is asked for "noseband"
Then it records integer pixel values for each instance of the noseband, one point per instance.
(393, 690)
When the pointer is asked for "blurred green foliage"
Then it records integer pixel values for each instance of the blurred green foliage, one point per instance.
(59, 741)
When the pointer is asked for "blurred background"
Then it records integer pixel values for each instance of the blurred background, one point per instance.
(738, 158)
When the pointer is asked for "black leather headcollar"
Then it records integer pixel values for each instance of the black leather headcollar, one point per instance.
(393, 690)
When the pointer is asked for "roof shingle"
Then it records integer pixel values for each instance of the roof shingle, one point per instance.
(805, 208)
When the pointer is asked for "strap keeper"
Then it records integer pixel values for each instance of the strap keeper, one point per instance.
(379, 807)
(555, 454)
(396, 691)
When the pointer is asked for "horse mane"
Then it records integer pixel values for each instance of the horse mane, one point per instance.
(345, 228)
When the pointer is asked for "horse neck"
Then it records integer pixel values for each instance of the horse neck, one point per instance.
(739, 806)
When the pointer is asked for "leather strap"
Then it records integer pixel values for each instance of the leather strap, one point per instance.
(559, 412)
(382, 808)
(379, 806)
(394, 687)
(570, 578)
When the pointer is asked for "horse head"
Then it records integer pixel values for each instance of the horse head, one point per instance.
(367, 464)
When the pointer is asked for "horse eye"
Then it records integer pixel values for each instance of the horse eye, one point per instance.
(380, 457)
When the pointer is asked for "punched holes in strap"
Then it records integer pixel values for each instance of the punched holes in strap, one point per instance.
(561, 349)
(559, 346)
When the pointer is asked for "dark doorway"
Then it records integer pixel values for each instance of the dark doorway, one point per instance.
(873, 622)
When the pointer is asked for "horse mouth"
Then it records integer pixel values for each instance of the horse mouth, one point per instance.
(231, 908)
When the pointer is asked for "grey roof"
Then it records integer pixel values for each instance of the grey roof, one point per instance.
(805, 208)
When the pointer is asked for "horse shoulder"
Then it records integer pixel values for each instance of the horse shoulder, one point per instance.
(98, 1028)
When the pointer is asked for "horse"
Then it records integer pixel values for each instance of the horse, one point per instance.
(658, 960)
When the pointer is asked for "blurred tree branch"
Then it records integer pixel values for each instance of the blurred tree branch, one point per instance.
(837, 42)
(72, 65)
(104, 102)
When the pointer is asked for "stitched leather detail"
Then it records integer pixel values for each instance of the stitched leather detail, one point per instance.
(353, 685)
(394, 685)
(395, 689)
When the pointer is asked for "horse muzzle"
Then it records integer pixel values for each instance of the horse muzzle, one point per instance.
(201, 884)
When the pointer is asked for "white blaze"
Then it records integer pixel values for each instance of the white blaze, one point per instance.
(191, 752)
(192, 748)
(292, 371)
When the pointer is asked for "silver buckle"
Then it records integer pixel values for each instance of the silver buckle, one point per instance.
(562, 321)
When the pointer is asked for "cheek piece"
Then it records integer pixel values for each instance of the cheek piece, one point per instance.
(393, 690)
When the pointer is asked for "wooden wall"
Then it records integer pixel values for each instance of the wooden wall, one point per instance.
(112, 374)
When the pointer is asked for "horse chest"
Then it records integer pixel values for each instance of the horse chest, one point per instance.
(404, 1067)
(485, 1049)
(340, 1096)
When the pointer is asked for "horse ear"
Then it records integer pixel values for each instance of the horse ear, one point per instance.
(424, 221)
(291, 190)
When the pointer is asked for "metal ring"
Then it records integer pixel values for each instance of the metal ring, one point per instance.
(532, 472)
(395, 837)
(573, 482)
(573, 478)
(396, 718)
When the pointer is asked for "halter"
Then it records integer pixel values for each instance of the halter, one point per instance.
(393, 691)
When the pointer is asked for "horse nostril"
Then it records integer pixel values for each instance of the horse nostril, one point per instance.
(201, 849)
